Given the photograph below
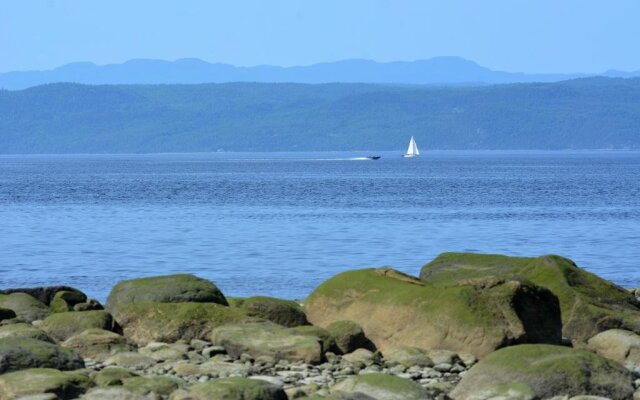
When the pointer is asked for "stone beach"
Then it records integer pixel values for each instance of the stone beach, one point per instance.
(469, 326)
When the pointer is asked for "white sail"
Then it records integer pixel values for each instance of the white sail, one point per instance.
(412, 150)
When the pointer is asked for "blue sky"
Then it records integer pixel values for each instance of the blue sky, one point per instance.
(510, 35)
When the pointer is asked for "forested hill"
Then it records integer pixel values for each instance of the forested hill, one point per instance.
(593, 113)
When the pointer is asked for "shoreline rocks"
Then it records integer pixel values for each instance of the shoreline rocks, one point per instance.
(471, 327)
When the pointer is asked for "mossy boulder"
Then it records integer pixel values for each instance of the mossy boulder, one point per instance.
(153, 385)
(328, 341)
(380, 387)
(282, 312)
(88, 305)
(130, 359)
(65, 385)
(22, 330)
(549, 371)
(61, 326)
(618, 345)
(589, 303)
(112, 376)
(25, 306)
(395, 309)
(181, 288)
(408, 356)
(43, 294)
(64, 300)
(97, 344)
(268, 339)
(237, 389)
(17, 354)
(168, 322)
(349, 336)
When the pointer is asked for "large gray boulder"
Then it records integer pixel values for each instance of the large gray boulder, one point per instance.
(17, 354)
(181, 288)
(268, 339)
(618, 345)
(547, 371)
(24, 306)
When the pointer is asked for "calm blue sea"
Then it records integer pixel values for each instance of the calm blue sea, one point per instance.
(281, 223)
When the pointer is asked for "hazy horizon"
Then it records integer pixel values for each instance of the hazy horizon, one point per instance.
(525, 36)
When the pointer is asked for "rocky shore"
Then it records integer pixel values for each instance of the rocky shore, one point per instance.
(469, 327)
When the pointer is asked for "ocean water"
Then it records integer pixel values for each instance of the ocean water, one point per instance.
(281, 223)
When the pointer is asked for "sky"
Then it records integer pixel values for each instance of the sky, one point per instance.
(544, 36)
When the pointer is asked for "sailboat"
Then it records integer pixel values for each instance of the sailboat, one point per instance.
(412, 151)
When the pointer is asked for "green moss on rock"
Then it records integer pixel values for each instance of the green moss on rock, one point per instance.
(24, 306)
(155, 385)
(112, 376)
(395, 309)
(237, 389)
(65, 385)
(20, 353)
(381, 387)
(179, 288)
(589, 303)
(283, 312)
(328, 341)
(168, 322)
(61, 326)
(268, 339)
(64, 300)
(5, 313)
(548, 370)
(97, 344)
(22, 330)
(349, 336)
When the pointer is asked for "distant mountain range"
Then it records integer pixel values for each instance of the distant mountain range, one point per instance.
(435, 71)
(590, 113)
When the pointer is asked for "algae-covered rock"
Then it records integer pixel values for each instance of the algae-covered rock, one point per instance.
(589, 303)
(237, 389)
(157, 385)
(65, 385)
(349, 336)
(43, 294)
(165, 351)
(22, 330)
(61, 326)
(97, 344)
(380, 387)
(505, 391)
(24, 306)
(112, 376)
(130, 360)
(328, 341)
(64, 300)
(283, 312)
(18, 353)
(114, 393)
(618, 345)
(395, 310)
(268, 339)
(408, 356)
(548, 370)
(181, 288)
(88, 305)
(168, 322)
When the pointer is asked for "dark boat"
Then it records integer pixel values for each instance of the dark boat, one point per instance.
(373, 157)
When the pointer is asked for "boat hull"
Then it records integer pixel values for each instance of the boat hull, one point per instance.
(409, 155)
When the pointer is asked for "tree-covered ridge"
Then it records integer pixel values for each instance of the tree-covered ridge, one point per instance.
(591, 113)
